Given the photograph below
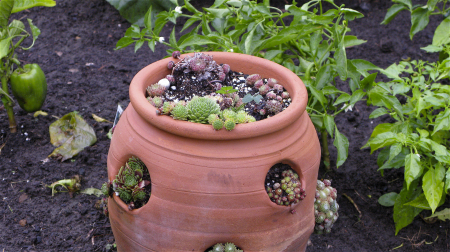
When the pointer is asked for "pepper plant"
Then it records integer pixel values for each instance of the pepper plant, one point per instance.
(418, 139)
(30, 88)
(308, 40)
(420, 15)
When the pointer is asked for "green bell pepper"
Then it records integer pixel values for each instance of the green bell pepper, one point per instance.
(29, 87)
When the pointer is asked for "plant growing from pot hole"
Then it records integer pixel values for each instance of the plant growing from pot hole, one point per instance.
(224, 247)
(200, 90)
(28, 84)
(131, 185)
(312, 46)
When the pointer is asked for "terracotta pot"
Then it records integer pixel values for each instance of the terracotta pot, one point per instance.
(208, 186)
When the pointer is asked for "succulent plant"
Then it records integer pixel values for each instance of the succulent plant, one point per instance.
(273, 106)
(199, 109)
(229, 114)
(166, 108)
(212, 118)
(271, 82)
(258, 84)
(227, 247)
(176, 54)
(288, 190)
(229, 124)
(264, 89)
(285, 95)
(251, 79)
(217, 124)
(179, 112)
(325, 207)
(129, 183)
(156, 101)
(156, 90)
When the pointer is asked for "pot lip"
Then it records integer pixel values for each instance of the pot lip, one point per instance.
(158, 70)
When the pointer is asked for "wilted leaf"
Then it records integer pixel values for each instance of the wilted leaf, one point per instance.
(40, 112)
(71, 134)
(442, 215)
(72, 185)
(99, 119)
(92, 191)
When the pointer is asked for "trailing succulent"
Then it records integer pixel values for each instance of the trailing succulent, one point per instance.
(129, 183)
(325, 207)
(219, 103)
(227, 247)
(288, 191)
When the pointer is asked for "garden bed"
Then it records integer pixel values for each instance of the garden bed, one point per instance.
(85, 73)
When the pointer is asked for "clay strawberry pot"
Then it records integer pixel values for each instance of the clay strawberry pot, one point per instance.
(208, 186)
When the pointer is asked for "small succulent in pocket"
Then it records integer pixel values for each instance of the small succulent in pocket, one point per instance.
(325, 207)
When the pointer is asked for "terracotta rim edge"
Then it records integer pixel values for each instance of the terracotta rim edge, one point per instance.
(158, 70)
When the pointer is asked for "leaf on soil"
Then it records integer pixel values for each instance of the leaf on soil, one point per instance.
(72, 185)
(388, 199)
(92, 191)
(441, 215)
(99, 119)
(71, 134)
(40, 112)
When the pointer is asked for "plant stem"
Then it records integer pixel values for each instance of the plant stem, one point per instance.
(325, 151)
(8, 106)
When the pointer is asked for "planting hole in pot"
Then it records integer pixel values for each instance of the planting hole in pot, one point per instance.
(132, 184)
(224, 247)
(283, 185)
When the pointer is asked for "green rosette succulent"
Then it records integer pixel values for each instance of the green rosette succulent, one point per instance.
(180, 112)
(325, 207)
(129, 183)
(199, 109)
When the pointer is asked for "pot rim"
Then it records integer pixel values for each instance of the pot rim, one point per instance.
(238, 62)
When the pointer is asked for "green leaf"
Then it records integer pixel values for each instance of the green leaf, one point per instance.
(196, 40)
(432, 48)
(394, 151)
(341, 61)
(138, 45)
(350, 14)
(392, 12)
(407, 3)
(368, 81)
(342, 98)
(71, 134)
(92, 191)
(6, 7)
(4, 47)
(324, 76)
(364, 65)
(16, 27)
(328, 120)
(135, 11)
(20, 5)
(413, 169)
(419, 202)
(447, 181)
(218, 13)
(442, 121)
(350, 41)
(357, 96)
(442, 33)
(124, 42)
(34, 30)
(318, 95)
(388, 199)
(419, 20)
(442, 215)
(433, 188)
(377, 113)
(341, 144)
(404, 214)
(381, 140)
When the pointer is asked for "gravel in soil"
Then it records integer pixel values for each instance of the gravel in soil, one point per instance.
(85, 73)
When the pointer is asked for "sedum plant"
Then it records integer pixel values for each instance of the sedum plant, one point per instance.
(325, 207)
(312, 44)
(418, 139)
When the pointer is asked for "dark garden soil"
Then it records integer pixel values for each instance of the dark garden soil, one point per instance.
(84, 73)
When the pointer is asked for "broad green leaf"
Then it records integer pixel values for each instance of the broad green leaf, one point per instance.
(235, 3)
(381, 140)
(419, 20)
(377, 113)
(217, 3)
(419, 202)
(16, 27)
(70, 134)
(400, 88)
(447, 181)
(218, 13)
(396, 162)
(20, 5)
(357, 96)
(388, 199)
(324, 76)
(341, 61)
(431, 4)
(328, 120)
(138, 44)
(6, 7)
(407, 3)
(392, 12)
(328, 90)
(342, 98)
(350, 14)
(272, 54)
(394, 151)
(442, 33)
(249, 41)
(318, 95)
(134, 11)
(392, 71)
(442, 121)
(196, 40)
(4, 47)
(341, 143)
(351, 40)
(432, 48)
(413, 169)
(404, 214)
(432, 188)
(442, 215)
(368, 81)
(314, 41)
(364, 65)
(124, 42)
